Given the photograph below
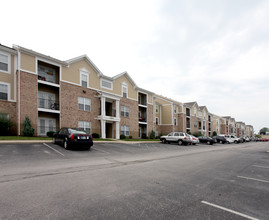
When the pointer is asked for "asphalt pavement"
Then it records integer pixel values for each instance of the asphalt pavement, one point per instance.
(137, 181)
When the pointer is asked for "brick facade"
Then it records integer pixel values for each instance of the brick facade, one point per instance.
(28, 99)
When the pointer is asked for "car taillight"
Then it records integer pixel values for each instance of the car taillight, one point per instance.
(185, 137)
(72, 137)
(193, 138)
(91, 137)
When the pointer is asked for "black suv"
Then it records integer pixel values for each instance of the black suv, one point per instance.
(220, 139)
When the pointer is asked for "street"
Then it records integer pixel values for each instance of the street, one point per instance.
(135, 181)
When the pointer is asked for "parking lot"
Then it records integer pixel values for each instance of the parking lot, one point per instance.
(145, 181)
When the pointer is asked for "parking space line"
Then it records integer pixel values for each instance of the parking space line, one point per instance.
(249, 178)
(53, 149)
(100, 150)
(260, 166)
(229, 210)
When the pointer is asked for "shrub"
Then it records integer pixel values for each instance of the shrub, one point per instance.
(214, 133)
(50, 133)
(152, 135)
(122, 136)
(28, 130)
(5, 126)
(130, 137)
(197, 134)
(95, 135)
(144, 136)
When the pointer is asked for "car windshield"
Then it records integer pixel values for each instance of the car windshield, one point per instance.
(76, 131)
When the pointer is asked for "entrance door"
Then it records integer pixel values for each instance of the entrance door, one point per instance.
(109, 129)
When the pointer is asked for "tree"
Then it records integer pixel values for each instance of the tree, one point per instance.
(152, 135)
(28, 130)
(264, 130)
(5, 126)
(214, 133)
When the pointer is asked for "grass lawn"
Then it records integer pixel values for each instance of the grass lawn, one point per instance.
(15, 138)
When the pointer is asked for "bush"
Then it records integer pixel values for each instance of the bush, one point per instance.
(152, 135)
(197, 134)
(50, 133)
(28, 130)
(122, 136)
(130, 137)
(95, 135)
(144, 136)
(5, 126)
(214, 133)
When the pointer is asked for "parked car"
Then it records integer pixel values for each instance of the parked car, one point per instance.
(205, 139)
(194, 140)
(72, 137)
(220, 139)
(176, 137)
(231, 139)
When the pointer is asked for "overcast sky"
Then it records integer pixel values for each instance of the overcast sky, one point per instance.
(215, 52)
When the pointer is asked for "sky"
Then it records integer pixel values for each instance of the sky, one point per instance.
(214, 52)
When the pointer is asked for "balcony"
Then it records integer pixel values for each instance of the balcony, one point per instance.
(48, 73)
(188, 112)
(142, 119)
(48, 104)
(142, 99)
(108, 112)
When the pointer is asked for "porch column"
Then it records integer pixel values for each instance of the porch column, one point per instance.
(117, 108)
(103, 106)
(117, 130)
(103, 129)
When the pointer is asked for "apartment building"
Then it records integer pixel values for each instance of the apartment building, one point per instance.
(240, 129)
(75, 93)
(72, 93)
(249, 131)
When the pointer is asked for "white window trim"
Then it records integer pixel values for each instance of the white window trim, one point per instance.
(8, 64)
(104, 80)
(84, 103)
(174, 122)
(84, 127)
(8, 90)
(124, 85)
(156, 108)
(82, 72)
(124, 129)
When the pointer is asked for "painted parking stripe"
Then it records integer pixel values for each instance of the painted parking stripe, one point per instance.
(249, 178)
(229, 210)
(260, 166)
(53, 149)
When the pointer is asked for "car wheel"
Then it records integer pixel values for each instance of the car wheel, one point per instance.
(235, 142)
(194, 144)
(65, 145)
(180, 142)
(54, 140)
(163, 141)
(220, 142)
(208, 142)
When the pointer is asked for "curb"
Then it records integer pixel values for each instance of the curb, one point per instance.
(95, 142)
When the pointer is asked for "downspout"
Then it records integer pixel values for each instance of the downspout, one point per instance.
(19, 92)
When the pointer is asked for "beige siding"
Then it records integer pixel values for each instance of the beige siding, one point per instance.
(28, 63)
(167, 114)
(72, 74)
(117, 87)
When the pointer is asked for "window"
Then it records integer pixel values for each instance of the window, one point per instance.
(156, 108)
(175, 121)
(84, 79)
(84, 104)
(4, 116)
(46, 73)
(106, 84)
(157, 120)
(195, 124)
(194, 110)
(125, 130)
(85, 125)
(4, 62)
(125, 111)
(175, 109)
(124, 91)
(4, 91)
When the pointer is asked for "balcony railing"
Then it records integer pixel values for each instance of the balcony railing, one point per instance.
(142, 119)
(111, 113)
(48, 104)
(188, 125)
(48, 79)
